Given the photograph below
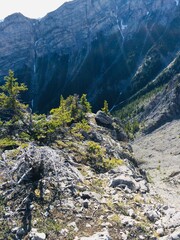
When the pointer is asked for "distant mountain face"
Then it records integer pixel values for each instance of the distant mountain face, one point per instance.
(107, 49)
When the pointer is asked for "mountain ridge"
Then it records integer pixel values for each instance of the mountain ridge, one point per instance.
(90, 46)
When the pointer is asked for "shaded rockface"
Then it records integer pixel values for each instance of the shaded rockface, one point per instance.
(163, 107)
(155, 104)
(99, 47)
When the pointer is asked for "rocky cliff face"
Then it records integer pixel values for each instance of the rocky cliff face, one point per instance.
(108, 49)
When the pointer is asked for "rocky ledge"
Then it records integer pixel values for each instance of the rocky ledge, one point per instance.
(64, 191)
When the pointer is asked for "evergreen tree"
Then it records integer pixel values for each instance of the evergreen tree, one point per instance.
(85, 104)
(72, 105)
(105, 108)
(10, 105)
(61, 116)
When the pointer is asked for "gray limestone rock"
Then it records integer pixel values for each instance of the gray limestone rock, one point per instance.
(152, 215)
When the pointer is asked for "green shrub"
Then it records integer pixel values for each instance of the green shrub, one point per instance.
(109, 164)
(95, 149)
(79, 127)
(8, 143)
(24, 136)
(39, 127)
(131, 127)
(96, 158)
(60, 116)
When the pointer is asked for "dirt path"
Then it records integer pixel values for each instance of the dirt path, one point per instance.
(159, 154)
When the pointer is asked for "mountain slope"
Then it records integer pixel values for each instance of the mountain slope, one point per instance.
(108, 49)
(81, 187)
(157, 103)
(158, 154)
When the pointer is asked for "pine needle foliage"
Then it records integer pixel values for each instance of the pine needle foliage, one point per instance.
(105, 108)
(10, 106)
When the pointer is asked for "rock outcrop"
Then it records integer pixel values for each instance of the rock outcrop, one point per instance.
(99, 47)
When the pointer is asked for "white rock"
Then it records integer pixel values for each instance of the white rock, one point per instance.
(14, 230)
(131, 213)
(128, 221)
(123, 236)
(160, 232)
(141, 237)
(164, 238)
(64, 232)
(74, 226)
(88, 225)
(98, 236)
(34, 235)
(123, 181)
(106, 224)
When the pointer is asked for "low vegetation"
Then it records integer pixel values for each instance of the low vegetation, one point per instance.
(18, 122)
(19, 126)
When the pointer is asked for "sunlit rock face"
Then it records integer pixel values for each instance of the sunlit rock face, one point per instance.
(107, 49)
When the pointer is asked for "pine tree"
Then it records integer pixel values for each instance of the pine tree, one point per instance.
(105, 108)
(85, 104)
(61, 116)
(10, 105)
(72, 105)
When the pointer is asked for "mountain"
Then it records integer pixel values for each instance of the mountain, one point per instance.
(107, 49)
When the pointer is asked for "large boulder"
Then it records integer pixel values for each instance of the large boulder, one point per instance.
(124, 181)
(103, 119)
(115, 126)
